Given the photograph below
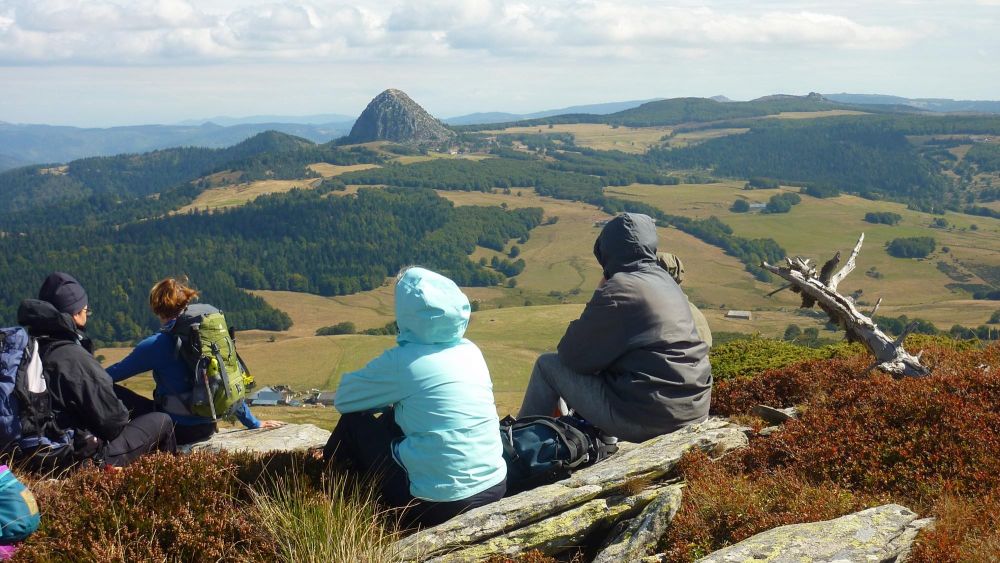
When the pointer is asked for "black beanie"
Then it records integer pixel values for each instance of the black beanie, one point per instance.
(64, 293)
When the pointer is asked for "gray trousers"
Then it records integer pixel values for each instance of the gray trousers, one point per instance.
(553, 385)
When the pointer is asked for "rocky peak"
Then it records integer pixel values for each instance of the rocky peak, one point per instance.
(394, 116)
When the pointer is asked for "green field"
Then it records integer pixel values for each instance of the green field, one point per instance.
(561, 272)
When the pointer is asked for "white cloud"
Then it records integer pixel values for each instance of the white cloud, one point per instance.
(110, 32)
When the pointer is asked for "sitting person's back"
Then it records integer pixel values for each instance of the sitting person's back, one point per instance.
(633, 364)
(174, 378)
(437, 382)
(82, 393)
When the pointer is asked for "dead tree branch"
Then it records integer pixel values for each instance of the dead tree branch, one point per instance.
(890, 355)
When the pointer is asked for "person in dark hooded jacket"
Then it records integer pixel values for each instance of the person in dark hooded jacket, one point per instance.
(633, 363)
(82, 393)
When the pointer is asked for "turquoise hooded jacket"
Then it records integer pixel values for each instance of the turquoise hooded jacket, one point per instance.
(441, 390)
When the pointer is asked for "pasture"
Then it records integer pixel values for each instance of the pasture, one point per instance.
(817, 228)
(600, 136)
(239, 194)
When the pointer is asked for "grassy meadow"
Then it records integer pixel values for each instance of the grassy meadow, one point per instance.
(601, 136)
(514, 325)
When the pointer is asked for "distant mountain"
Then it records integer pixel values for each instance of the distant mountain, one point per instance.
(928, 104)
(676, 111)
(720, 98)
(7, 162)
(318, 119)
(138, 174)
(501, 117)
(38, 144)
(393, 116)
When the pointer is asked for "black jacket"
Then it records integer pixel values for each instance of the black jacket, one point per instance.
(83, 396)
(638, 333)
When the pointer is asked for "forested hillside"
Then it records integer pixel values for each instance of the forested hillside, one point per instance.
(300, 241)
(852, 156)
(268, 154)
(692, 110)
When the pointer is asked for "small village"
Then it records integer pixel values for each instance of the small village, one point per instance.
(283, 395)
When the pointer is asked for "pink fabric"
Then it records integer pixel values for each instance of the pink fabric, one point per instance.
(7, 551)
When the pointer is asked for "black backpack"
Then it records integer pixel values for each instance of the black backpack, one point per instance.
(542, 449)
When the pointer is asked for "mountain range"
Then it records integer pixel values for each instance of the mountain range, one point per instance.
(24, 144)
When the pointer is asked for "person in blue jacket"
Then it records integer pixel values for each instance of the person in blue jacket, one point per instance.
(421, 417)
(168, 298)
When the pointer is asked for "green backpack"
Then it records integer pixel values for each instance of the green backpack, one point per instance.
(219, 376)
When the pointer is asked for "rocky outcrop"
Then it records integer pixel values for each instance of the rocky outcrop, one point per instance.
(393, 116)
(564, 507)
(883, 533)
(285, 438)
(639, 536)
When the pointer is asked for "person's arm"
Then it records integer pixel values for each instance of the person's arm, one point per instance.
(245, 416)
(378, 384)
(139, 360)
(596, 339)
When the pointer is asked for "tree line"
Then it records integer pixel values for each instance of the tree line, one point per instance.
(311, 243)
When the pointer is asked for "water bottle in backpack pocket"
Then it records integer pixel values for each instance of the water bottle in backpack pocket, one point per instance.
(542, 449)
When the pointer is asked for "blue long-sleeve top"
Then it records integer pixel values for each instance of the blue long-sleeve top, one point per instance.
(170, 373)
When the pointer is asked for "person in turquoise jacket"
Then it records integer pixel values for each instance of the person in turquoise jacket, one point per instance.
(422, 414)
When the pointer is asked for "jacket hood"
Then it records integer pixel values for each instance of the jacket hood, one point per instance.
(430, 308)
(42, 319)
(626, 243)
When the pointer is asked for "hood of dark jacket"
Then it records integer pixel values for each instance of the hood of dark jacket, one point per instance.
(41, 318)
(430, 308)
(626, 244)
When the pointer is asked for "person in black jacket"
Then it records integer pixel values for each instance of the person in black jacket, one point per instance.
(82, 393)
(633, 363)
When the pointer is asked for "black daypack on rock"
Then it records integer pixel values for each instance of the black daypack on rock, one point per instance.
(542, 449)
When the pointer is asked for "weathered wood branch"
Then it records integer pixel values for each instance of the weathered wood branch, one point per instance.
(892, 357)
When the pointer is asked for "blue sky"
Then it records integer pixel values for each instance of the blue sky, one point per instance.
(116, 62)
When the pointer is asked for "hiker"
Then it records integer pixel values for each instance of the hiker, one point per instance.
(158, 353)
(633, 363)
(421, 416)
(673, 265)
(82, 395)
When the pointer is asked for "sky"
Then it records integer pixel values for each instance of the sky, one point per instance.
(100, 63)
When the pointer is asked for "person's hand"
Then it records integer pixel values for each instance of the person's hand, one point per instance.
(268, 424)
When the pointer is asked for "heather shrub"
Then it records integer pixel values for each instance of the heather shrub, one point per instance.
(863, 438)
(159, 508)
(208, 507)
(750, 356)
(723, 504)
(964, 530)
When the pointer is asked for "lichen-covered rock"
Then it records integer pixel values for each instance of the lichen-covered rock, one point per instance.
(647, 461)
(640, 535)
(877, 534)
(558, 533)
(285, 438)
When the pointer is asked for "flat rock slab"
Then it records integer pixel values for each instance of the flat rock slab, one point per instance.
(648, 461)
(558, 533)
(289, 437)
(878, 534)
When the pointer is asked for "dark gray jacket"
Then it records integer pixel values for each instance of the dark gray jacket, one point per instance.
(637, 332)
